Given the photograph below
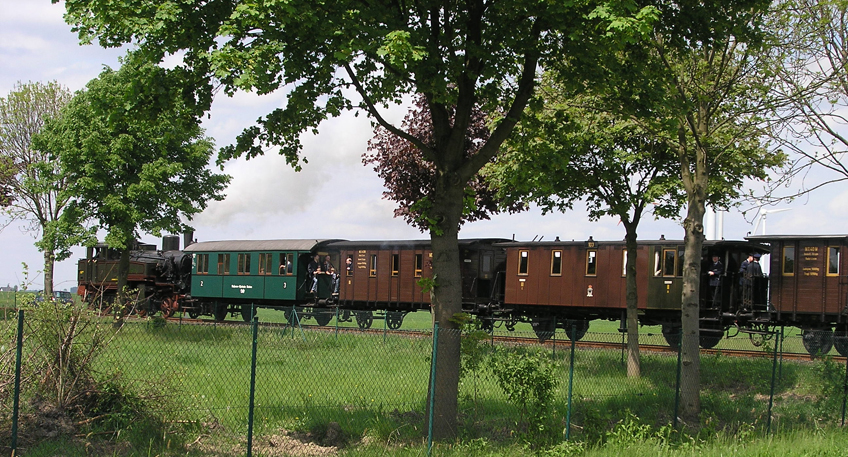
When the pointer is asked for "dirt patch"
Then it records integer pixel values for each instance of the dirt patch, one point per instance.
(302, 445)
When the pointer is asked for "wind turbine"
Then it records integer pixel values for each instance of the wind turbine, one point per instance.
(763, 215)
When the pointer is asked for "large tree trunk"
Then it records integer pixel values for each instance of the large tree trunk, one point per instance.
(49, 262)
(695, 182)
(447, 302)
(633, 362)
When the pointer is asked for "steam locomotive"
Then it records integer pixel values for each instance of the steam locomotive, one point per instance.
(551, 284)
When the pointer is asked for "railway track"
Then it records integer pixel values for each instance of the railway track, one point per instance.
(522, 340)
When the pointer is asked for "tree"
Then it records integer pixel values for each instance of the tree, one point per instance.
(410, 179)
(33, 183)
(814, 83)
(566, 151)
(134, 156)
(460, 56)
(705, 95)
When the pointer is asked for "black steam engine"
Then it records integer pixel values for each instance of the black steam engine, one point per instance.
(157, 280)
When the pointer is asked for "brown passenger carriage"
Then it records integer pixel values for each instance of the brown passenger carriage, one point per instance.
(809, 287)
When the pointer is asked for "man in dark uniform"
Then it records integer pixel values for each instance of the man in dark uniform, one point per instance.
(715, 272)
(751, 269)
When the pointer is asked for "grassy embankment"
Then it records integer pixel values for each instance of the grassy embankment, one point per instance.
(374, 388)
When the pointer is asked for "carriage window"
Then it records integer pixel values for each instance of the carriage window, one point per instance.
(286, 261)
(833, 261)
(244, 264)
(680, 262)
(372, 272)
(203, 264)
(395, 264)
(487, 263)
(668, 262)
(523, 259)
(556, 263)
(419, 264)
(591, 262)
(223, 264)
(789, 260)
(657, 263)
(265, 263)
(624, 263)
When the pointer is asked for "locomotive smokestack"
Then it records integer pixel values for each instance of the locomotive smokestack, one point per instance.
(170, 243)
(188, 238)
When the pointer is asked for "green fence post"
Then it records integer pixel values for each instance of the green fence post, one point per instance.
(782, 338)
(553, 341)
(844, 391)
(773, 382)
(677, 388)
(432, 399)
(252, 403)
(17, 399)
(570, 383)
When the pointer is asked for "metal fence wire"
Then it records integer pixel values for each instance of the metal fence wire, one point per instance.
(270, 389)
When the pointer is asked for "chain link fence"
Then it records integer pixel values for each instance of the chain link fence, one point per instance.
(271, 389)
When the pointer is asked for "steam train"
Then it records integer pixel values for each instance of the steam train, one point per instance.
(551, 284)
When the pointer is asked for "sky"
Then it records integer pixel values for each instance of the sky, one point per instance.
(335, 195)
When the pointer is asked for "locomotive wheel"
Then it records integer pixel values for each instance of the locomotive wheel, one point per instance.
(323, 317)
(544, 328)
(575, 329)
(364, 319)
(246, 314)
(671, 333)
(169, 307)
(817, 342)
(394, 320)
(840, 342)
(220, 311)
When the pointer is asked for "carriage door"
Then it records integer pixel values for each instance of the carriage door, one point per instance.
(394, 278)
(665, 283)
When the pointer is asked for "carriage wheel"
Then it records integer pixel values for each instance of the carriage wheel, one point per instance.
(323, 317)
(364, 319)
(840, 342)
(817, 342)
(394, 320)
(246, 314)
(221, 311)
(193, 313)
(544, 328)
(169, 306)
(671, 333)
(575, 329)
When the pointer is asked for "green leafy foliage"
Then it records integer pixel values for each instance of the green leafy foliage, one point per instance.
(133, 152)
(528, 379)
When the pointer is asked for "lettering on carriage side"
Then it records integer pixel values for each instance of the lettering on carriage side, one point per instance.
(241, 287)
(811, 271)
(811, 253)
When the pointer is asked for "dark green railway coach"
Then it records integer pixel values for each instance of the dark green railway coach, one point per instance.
(239, 275)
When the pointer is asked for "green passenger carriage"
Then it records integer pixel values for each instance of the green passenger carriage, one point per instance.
(243, 275)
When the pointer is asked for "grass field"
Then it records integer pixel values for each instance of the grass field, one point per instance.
(374, 388)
